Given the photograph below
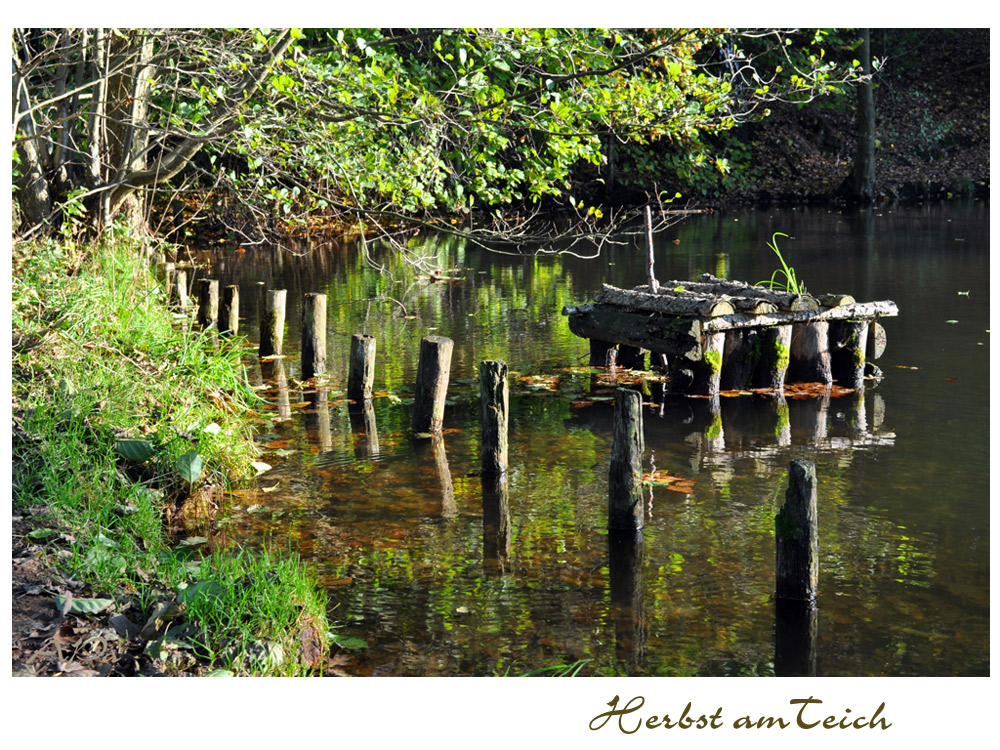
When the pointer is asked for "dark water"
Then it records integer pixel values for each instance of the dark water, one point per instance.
(395, 527)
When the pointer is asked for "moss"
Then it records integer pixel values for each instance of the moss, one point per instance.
(714, 430)
(713, 360)
(784, 527)
(782, 412)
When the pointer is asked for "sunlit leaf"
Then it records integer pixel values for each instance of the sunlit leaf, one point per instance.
(189, 466)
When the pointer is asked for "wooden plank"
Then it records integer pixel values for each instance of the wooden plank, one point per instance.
(857, 311)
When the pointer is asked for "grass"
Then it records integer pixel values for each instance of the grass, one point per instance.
(790, 283)
(121, 416)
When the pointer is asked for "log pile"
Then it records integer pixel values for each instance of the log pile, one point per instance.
(713, 330)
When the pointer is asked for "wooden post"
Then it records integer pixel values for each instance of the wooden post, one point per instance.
(229, 314)
(775, 346)
(272, 323)
(361, 372)
(313, 335)
(494, 397)
(631, 357)
(708, 370)
(795, 638)
(433, 368)
(208, 303)
(625, 503)
(739, 358)
(848, 340)
(602, 354)
(810, 353)
(180, 288)
(796, 535)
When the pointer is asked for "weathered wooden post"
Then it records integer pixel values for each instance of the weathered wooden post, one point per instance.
(775, 346)
(625, 502)
(810, 353)
(272, 324)
(708, 371)
(848, 341)
(796, 535)
(361, 371)
(313, 335)
(797, 575)
(433, 368)
(739, 358)
(795, 637)
(494, 397)
(229, 314)
(602, 354)
(208, 303)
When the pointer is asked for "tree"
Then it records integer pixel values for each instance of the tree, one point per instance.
(863, 172)
(383, 125)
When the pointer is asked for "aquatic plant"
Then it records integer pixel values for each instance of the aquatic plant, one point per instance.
(790, 284)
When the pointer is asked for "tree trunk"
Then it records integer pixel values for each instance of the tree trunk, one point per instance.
(863, 175)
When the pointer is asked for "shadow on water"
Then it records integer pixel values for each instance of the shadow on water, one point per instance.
(444, 571)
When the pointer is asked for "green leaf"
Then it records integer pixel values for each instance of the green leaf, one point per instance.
(138, 451)
(85, 606)
(189, 466)
(350, 642)
(42, 534)
(203, 589)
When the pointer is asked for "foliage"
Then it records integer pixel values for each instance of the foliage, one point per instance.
(383, 124)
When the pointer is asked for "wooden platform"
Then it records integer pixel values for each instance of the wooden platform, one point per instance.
(720, 334)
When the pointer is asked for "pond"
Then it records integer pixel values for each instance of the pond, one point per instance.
(395, 529)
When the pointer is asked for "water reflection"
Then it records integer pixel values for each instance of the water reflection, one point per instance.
(402, 535)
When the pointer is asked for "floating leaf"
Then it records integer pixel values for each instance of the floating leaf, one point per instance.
(349, 642)
(192, 541)
(189, 466)
(260, 467)
(138, 451)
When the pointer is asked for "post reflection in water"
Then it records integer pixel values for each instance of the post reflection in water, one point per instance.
(496, 523)
(273, 371)
(625, 562)
(796, 625)
(364, 432)
(317, 417)
(439, 455)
